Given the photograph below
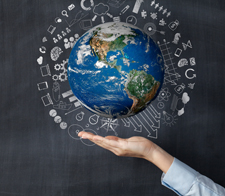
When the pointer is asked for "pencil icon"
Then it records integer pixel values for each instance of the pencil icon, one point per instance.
(124, 9)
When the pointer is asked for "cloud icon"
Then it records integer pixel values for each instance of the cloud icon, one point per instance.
(101, 9)
(185, 98)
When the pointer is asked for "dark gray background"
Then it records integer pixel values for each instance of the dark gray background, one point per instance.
(36, 158)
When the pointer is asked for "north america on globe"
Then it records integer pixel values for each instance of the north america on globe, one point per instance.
(115, 70)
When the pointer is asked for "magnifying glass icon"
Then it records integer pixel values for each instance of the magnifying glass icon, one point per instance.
(64, 13)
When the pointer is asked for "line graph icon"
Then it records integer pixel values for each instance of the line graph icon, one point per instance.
(171, 76)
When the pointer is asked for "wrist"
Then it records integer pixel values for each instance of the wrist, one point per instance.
(160, 158)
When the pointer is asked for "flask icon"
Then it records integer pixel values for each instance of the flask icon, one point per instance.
(173, 25)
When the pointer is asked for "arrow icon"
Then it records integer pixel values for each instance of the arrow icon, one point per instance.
(126, 122)
(190, 77)
(153, 133)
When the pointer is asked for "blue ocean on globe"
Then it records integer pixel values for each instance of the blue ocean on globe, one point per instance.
(115, 70)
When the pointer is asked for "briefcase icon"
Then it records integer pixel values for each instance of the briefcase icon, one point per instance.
(70, 7)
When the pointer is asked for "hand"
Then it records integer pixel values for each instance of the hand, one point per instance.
(139, 147)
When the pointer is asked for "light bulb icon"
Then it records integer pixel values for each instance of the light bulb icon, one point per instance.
(168, 119)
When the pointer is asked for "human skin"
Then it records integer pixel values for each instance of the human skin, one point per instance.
(138, 147)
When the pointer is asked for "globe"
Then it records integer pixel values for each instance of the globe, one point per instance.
(115, 70)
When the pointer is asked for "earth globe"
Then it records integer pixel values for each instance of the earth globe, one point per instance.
(115, 70)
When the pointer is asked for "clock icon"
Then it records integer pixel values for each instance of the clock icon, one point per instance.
(131, 20)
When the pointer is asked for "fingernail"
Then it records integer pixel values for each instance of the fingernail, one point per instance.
(83, 137)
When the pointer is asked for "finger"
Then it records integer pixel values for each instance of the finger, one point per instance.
(99, 140)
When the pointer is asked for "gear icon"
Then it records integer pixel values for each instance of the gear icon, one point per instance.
(57, 67)
(63, 65)
(55, 77)
(62, 77)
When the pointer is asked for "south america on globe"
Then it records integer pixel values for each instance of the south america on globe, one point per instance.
(115, 70)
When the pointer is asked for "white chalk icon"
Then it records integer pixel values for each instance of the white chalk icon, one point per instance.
(64, 13)
(52, 113)
(55, 53)
(86, 24)
(80, 116)
(109, 124)
(179, 88)
(152, 3)
(124, 9)
(56, 91)
(45, 70)
(126, 122)
(160, 105)
(188, 76)
(182, 62)
(160, 8)
(154, 15)
(44, 39)
(176, 39)
(73, 110)
(154, 121)
(109, 15)
(178, 52)
(156, 5)
(101, 9)
(102, 19)
(79, 16)
(116, 3)
(75, 129)
(171, 76)
(181, 103)
(174, 103)
(57, 119)
(51, 29)
(42, 50)
(136, 125)
(168, 119)
(40, 60)
(192, 61)
(84, 7)
(73, 98)
(63, 125)
(67, 93)
(131, 20)
(164, 95)
(116, 19)
(47, 100)
(187, 45)
(55, 40)
(42, 86)
(94, 18)
(93, 119)
(62, 106)
(191, 85)
(162, 22)
(71, 7)
(58, 20)
(144, 14)
(151, 131)
(173, 25)
(150, 29)
(137, 6)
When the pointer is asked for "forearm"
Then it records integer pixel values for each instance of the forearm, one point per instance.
(160, 158)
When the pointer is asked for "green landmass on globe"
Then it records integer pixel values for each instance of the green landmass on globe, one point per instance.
(115, 70)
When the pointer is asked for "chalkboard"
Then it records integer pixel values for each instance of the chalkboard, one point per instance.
(40, 152)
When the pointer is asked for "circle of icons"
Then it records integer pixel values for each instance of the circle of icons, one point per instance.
(61, 36)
